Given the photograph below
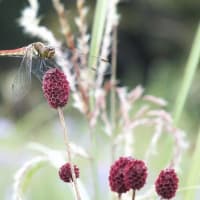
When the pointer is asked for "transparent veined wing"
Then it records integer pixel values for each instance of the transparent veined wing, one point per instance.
(22, 81)
(40, 66)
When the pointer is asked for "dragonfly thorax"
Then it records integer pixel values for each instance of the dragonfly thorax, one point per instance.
(43, 51)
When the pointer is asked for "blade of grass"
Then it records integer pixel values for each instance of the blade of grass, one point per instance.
(97, 31)
(190, 70)
(24, 174)
(193, 175)
(96, 38)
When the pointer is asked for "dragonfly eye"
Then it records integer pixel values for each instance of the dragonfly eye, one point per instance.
(50, 52)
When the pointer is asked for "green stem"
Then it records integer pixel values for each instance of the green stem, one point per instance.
(94, 164)
(190, 70)
(96, 39)
(193, 178)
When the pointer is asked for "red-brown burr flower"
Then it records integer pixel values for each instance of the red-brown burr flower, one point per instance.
(135, 174)
(116, 175)
(55, 87)
(167, 183)
(66, 174)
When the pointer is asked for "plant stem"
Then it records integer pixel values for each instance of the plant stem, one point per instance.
(96, 40)
(190, 70)
(133, 195)
(113, 76)
(62, 120)
(119, 196)
(94, 164)
(113, 82)
(192, 178)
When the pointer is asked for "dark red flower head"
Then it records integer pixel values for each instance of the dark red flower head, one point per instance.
(55, 87)
(116, 176)
(135, 174)
(167, 183)
(65, 172)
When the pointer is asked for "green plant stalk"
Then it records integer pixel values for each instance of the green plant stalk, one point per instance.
(190, 70)
(96, 39)
(193, 175)
(94, 163)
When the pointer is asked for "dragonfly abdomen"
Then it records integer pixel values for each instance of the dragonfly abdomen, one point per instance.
(13, 52)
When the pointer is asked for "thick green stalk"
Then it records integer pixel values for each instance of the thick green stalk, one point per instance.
(193, 172)
(190, 70)
(96, 38)
(97, 31)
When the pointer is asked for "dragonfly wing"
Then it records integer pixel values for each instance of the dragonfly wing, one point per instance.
(40, 66)
(22, 81)
(36, 69)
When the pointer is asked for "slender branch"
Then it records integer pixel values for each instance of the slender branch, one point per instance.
(62, 120)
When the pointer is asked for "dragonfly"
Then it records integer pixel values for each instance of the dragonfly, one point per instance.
(34, 60)
(37, 58)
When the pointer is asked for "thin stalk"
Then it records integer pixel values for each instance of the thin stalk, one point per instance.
(113, 82)
(190, 70)
(119, 196)
(133, 195)
(66, 140)
(113, 76)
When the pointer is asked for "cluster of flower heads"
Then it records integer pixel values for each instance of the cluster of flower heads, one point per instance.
(127, 173)
(55, 87)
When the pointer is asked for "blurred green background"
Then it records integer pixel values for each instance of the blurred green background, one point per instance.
(154, 41)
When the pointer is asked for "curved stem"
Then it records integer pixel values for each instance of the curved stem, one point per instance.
(62, 120)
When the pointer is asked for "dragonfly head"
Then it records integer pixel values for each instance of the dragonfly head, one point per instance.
(49, 52)
(44, 51)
